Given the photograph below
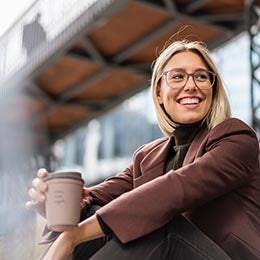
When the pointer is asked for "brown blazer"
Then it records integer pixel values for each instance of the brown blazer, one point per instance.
(218, 189)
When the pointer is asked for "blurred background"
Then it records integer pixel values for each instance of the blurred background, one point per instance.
(74, 84)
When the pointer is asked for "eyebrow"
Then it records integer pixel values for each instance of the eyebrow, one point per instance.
(185, 69)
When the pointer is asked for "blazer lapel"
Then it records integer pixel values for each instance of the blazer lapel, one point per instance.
(153, 163)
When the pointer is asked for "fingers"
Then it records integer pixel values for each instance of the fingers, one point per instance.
(36, 206)
(38, 182)
(37, 192)
(36, 195)
(41, 173)
(39, 185)
(31, 205)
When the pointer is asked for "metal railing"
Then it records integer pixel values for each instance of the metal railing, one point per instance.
(46, 29)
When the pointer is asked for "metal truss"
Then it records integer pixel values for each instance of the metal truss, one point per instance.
(253, 27)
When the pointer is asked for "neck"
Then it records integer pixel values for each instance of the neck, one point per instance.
(184, 133)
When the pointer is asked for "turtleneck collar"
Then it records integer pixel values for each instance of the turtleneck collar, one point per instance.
(184, 133)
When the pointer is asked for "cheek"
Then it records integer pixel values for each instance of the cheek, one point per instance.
(164, 93)
(165, 99)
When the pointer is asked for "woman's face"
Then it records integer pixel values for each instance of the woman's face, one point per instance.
(188, 104)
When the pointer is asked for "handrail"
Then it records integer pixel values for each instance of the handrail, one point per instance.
(45, 30)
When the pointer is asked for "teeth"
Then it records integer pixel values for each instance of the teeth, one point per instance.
(187, 101)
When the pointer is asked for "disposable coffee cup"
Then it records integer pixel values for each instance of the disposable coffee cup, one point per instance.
(63, 199)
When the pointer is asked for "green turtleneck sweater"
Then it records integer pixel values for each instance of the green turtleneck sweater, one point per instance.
(183, 136)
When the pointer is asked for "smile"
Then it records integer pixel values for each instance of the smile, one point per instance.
(189, 101)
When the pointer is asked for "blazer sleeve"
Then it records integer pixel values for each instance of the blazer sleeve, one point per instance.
(226, 159)
(114, 186)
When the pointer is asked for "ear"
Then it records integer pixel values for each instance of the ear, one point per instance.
(159, 94)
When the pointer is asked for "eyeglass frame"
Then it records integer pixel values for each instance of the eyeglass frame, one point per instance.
(212, 77)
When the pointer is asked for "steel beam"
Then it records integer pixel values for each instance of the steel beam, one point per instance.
(253, 28)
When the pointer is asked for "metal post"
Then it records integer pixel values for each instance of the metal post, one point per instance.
(253, 28)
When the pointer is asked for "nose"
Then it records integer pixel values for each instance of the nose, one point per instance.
(190, 83)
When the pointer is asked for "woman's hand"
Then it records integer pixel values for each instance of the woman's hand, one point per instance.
(37, 193)
(61, 249)
(85, 193)
(38, 190)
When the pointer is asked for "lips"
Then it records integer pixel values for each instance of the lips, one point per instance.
(189, 101)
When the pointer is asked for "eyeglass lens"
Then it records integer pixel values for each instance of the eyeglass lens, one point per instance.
(203, 79)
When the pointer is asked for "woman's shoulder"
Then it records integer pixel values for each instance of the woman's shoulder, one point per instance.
(145, 148)
(236, 121)
(233, 124)
(233, 127)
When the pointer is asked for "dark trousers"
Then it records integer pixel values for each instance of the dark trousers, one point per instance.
(179, 239)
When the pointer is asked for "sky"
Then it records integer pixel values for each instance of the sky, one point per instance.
(9, 12)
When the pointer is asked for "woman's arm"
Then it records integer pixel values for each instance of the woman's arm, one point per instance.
(64, 245)
(225, 160)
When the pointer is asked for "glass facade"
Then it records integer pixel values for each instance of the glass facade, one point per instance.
(106, 144)
(233, 64)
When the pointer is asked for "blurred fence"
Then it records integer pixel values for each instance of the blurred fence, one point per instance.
(41, 33)
(46, 29)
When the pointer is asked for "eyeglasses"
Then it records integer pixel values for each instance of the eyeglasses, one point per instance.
(178, 78)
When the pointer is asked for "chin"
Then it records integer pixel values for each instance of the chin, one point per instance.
(188, 121)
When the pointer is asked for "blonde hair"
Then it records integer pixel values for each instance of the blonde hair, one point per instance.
(220, 107)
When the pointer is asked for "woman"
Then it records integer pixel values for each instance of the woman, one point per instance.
(193, 194)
